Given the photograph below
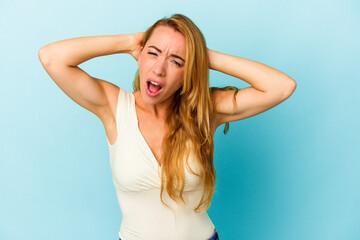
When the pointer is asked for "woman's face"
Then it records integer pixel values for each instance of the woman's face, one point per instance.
(161, 65)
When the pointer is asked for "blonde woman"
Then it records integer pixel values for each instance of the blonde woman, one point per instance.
(161, 136)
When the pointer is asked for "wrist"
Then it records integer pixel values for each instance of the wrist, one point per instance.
(212, 59)
(124, 43)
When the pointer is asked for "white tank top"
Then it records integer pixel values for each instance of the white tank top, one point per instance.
(136, 177)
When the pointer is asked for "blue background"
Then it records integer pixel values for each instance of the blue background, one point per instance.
(291, 172)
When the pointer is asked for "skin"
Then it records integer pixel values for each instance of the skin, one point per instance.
(156, 61)
(268, 86)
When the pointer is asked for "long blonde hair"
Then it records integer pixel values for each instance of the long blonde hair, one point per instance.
(189, 117)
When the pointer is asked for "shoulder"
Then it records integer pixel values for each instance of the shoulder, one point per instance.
(112, 92)
(218, 97)
(218, 94)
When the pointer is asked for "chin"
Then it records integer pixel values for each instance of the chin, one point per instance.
(146, 98)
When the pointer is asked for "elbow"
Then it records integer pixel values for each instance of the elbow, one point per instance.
(289, 88)
(46, 56)
(43, 56)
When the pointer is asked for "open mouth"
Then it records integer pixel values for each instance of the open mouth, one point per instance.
(153, 88)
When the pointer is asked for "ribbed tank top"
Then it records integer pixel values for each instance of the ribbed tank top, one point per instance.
(136, 177)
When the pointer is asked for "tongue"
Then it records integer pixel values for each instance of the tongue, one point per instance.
(154, 88)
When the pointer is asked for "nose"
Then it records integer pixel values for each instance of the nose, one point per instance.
(160, 67)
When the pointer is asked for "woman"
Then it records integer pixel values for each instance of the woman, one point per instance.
(161, 135)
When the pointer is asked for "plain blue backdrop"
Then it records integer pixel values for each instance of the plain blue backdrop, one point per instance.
(291, 172)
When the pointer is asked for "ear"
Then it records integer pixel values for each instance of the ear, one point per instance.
(139, 57)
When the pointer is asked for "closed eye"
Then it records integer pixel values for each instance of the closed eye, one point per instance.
(175, 62)
(178, 64)
(152, 53)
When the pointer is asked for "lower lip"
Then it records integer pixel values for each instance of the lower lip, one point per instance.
(152, 94)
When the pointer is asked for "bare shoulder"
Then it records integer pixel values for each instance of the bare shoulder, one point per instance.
(217, 95)
(112, 92)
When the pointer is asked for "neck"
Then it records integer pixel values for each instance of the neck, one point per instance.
(158, 111)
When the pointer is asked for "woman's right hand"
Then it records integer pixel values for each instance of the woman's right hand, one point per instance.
(135, 43)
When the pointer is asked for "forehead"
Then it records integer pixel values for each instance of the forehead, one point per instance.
(168, 40)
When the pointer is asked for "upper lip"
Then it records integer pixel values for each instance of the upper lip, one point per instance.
(152, 80)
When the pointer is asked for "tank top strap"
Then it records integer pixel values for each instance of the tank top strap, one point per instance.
(124, 109)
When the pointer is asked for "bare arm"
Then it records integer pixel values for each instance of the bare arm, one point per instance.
(269, 87)
(60, 60)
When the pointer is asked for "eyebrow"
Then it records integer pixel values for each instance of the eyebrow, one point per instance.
(173, 55)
